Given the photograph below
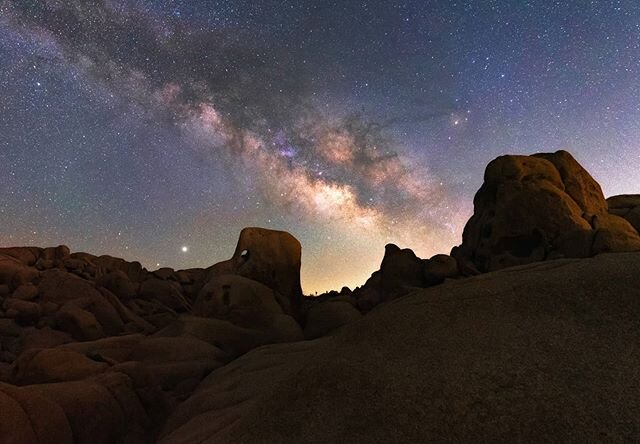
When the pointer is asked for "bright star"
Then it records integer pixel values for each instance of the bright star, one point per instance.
(185, 249)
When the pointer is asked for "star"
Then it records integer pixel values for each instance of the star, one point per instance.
(211, 119)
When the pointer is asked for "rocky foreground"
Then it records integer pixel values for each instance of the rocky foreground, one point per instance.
(489, 343)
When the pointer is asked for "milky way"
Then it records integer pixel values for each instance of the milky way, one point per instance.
(156, 130)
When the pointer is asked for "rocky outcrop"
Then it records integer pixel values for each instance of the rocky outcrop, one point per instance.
(80, 332)
(270, 257)
(471, 360)
(102, 409)
(248, 304)
(327, 316)
(400, 272)
(532, 208)
(99, 349)
(626, 206)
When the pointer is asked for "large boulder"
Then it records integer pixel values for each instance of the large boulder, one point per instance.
(532, 208)
(107, 264)
(101, 409)
(168, 362)
(539, 353)
(39, 366)
(30, 418)
(269, 257)
(167, 293)
(439, 268)
(80, 323)
(232, 339)
(45, 337)
(326, 316)
(26, 292)
(14, 272)
(118, 283)
(26, 255)
(168, 365)
(24, 311)
(60, 286)
(400, 272)
(248, 304)
(626, 206)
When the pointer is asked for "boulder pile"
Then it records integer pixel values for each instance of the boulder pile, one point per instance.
(626, 206)
(96, 349)
(401, 271)
(110, 348)
(539, 207)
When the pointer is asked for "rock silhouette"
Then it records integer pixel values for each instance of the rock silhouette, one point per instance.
(98, 349)
(400, 272)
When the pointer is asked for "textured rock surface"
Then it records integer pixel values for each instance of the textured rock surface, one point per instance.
(103, 409)
(468, 361)
(626, 206)
(248, 304)
(327, 316)
(98, 349)
(532, 208)
(270, 257)
(81, 333)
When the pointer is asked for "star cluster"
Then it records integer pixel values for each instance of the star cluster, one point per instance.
(156, 130)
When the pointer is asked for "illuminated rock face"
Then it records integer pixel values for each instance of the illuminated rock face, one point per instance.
(270, 257)
(250, 305)
(532, 208)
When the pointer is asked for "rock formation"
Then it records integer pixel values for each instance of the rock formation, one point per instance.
(108, 331)
(626, 206)
(402, 271)
(95, 349)
(270, 257)
(532, 208)
(472, 360)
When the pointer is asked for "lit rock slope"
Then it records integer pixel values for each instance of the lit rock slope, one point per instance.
(545, 352)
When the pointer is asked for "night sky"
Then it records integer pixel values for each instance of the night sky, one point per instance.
(157, 130)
